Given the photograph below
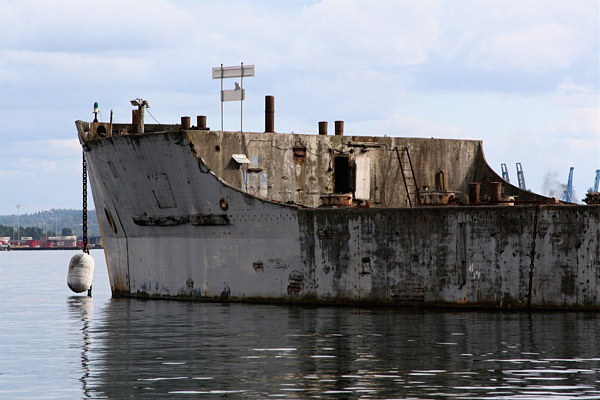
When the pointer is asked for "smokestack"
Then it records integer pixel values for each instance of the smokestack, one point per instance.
(339, 128)
(185, 123)
(201, 122)
(323, 128)
(269, 114)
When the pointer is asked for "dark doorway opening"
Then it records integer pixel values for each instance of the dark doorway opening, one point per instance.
(341, 174)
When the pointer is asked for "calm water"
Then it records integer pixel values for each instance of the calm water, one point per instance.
(56, 345)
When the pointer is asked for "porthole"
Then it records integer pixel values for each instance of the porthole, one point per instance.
(223, 204)
(101, 131)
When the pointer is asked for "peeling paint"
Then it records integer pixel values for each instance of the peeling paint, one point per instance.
(259, 248)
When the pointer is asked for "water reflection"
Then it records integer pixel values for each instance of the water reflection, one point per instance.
(81, 309)
(158, 349)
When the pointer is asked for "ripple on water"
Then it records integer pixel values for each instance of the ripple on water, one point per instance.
(55, 345)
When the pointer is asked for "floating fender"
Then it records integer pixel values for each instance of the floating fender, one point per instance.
(81, 271)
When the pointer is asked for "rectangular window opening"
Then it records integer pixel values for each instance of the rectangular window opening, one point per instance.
(341, 174)
(299, 152)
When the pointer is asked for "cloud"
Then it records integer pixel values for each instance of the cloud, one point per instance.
(572, 141)
(581, 124)
(405, 126)
(519, 75)
(40, 174)
(50, 148)
(349, 95)
(325, 35)
(6, 174)
(514, 47)
(536, 49)
(90, 26)
(38, 159)
(342, 35)
(39, 70)
(570, 94)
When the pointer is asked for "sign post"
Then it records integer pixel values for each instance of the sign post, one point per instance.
(236, 94)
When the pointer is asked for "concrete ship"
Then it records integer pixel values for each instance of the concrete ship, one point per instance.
(192, 213)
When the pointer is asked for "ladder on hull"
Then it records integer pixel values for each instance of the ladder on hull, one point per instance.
(408, 175)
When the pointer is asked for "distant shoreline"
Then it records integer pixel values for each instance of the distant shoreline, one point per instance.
(47, 248)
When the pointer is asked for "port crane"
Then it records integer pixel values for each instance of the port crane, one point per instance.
(520, 175)
(568, 194)
(505, 172)
(593, 196)
(596, 182)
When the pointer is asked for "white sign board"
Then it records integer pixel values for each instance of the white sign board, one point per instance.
(233, 95)
(232, 72)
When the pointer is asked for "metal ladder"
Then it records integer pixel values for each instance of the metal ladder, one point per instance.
(408, 175)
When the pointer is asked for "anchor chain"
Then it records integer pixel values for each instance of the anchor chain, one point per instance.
(85, 235)
(532, 264)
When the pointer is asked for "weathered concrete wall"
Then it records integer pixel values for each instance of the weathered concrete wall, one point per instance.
(300, 168)
(171, 236)
(461, 255)
(279, 173)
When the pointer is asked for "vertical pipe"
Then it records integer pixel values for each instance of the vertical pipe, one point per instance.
(495, 191)
(110, 126)
(323, 128)
(201, 122)
(185, 123)
(474, 192)
(242, 100)
(221, 95)
(140, 116)
(134, 121)
(270, 114)
(440, 180)
(339, 128)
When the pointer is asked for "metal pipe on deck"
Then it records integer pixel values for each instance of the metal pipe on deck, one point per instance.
(185, 123)
(270, 114)
(138, 115)
(134, 121)
(339, 128)
(495, 191)
(201, 122)
(323, 128)
(474, 192)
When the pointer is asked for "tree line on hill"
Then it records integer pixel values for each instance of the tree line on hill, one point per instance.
(31, 231)
(55, 222)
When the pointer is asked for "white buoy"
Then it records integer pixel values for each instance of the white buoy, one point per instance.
(81, 272)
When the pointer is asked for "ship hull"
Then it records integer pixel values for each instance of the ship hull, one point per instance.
(173, 229)
(445, 258)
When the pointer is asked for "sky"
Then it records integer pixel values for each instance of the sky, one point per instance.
(522, 76)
